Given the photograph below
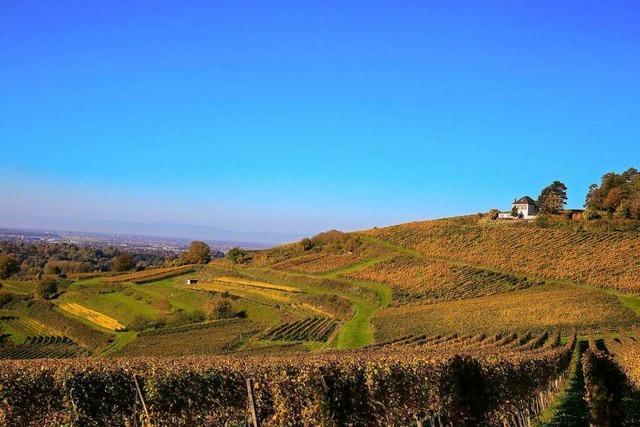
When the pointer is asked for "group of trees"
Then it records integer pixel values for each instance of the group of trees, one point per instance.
(198, 253)
(238, 256)
(29, 258)
(552, 198)
(331, 241)
(46, 288)
(8, 266)
(617, 195)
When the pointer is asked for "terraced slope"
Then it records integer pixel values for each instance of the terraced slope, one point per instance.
(609, 259)
(534, 309)
(205, 339)
(37, 347)
(310, 329)
(431, 280)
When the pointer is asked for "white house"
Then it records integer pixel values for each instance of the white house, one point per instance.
(192, 281)
(526, 208)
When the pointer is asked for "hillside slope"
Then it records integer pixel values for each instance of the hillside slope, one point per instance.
(471, 274)
(609, 259)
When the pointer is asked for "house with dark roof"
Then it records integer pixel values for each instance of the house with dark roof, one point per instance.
(524, 207)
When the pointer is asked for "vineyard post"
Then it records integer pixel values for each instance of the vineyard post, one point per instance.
(252, 405)
(325, 387)
(144, 404)
(73, 405)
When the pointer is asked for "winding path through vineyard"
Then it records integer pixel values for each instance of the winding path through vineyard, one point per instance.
(358, 330)
(570, 409)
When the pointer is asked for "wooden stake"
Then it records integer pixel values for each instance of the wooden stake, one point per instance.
(252, 404)
(144, 404)
(324, 384)
(73, 404)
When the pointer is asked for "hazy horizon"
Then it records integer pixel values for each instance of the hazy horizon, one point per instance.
(145, 229)
(285, 121)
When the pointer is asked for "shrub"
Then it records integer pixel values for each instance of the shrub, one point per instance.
(307, 244)
(220, 309)
(543, 221)
(123, 262)
(140, 323)
(237, 255)
(591, 214)
(198, 253)
(51, 268)
(46, 288)
(8, 266)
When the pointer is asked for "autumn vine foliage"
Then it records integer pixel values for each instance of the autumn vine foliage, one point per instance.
(574, 251)
(381, 386)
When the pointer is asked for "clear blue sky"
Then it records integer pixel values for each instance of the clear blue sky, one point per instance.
(297, 116)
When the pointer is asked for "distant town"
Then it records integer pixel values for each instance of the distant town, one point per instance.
(134, 243)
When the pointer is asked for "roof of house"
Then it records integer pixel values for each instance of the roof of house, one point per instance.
(526, 199)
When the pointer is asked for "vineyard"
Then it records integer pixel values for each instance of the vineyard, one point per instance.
(333, 251)
(255, 283)
(42, 318)
(627, 354)
(92, 316)
(146, 276)
(318, 262)
(249, 292)
(38, 347)
(428, 281)
(22, 327)
(449, 322)
(602, 258)
(611, 391)
(535, 309)
(206, 338)
(489, 384)
(311, 329)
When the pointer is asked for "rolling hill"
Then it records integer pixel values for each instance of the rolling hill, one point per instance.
(497, 299)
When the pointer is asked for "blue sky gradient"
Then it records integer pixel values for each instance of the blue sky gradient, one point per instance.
(294, 117)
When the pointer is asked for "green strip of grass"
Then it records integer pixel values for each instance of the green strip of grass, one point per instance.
(355, 267)
(570, 409)
(630, 301)
(391, 246)
(122, 340)
(358, 330)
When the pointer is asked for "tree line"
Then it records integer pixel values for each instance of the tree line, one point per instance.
(617, 195)
(61, 259)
